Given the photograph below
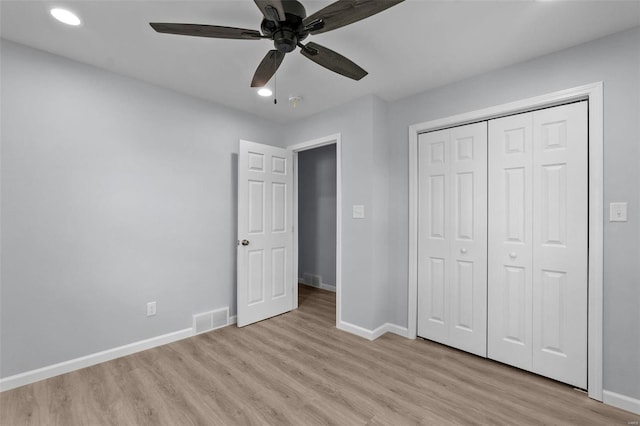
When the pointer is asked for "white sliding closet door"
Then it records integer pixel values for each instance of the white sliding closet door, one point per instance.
(538, 188)
(452, 267)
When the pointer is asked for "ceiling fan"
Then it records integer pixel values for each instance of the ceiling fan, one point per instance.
(286, 23)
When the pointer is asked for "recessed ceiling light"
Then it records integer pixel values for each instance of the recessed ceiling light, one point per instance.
(265, 91)
(65, 16)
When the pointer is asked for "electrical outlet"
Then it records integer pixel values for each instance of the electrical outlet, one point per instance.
(151, 309)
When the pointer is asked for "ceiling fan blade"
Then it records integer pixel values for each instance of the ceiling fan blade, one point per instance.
(213, 31)
(332, 61)
(345, 12)
(273, 10)
(267, 68)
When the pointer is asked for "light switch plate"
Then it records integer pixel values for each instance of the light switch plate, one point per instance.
(617, 212)
(358, 212)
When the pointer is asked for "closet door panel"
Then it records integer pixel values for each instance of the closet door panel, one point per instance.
(560, 140)
(434, 224)
(510, 183)
(468, 242)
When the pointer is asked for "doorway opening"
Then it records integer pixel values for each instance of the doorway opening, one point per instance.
(317, 221)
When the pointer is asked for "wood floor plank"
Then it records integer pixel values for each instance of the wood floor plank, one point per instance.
(298, 369)
(400, 389)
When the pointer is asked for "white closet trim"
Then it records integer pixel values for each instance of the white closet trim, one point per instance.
(593, 93)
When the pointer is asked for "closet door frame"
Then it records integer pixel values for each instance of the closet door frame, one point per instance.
(594, 94)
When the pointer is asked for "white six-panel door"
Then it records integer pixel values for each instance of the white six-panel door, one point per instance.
(265, 234)
(510, 297)
(452, 237)
(560, 205)
(433, 235)
(538, 229)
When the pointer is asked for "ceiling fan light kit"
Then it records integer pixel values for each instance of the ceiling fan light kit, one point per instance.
(285, 22)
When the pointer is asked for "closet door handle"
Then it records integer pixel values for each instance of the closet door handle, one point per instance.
(463, 250)
(513, 255)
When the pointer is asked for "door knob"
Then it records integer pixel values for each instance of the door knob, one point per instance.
(513, 255)
(463, 250)
(245, 242)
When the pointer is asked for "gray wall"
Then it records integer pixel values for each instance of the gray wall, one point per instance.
(615, 60)
(363, 277)
(317, 213)
(114, 193)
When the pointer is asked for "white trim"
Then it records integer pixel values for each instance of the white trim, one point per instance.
(596, 239)
(315, 143)
(321, 286)
(294, 156)
(357, 330)
(372, 334)
(295, 149)
(412, 292)
(592, 92)
(396, 329)
(621, 401)
(47, 372)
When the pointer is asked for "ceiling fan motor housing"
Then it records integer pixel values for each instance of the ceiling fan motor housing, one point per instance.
(285, 40)
(286, 34)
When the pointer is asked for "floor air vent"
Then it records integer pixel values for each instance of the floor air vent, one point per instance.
(211, 320)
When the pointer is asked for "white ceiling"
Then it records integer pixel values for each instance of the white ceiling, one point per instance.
(414, 46)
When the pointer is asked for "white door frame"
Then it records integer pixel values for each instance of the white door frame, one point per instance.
(594, 94)
(295, 149)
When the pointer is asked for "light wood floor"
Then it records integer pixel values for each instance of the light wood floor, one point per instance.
(299, 369)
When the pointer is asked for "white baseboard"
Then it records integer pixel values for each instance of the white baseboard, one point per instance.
(396, 329)
(356, 329)
(47, 372)
(321, 286)
(373, 334)
(621, 401)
